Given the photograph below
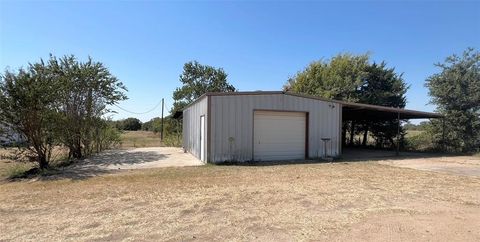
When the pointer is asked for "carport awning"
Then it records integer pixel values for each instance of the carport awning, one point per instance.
(350, 110)
(359, 111)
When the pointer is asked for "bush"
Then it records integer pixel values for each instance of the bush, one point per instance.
(60, 102)
(108, 137)
(420, 142)
(174, 140)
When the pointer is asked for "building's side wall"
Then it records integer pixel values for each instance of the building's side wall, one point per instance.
(232, 124)
(8, 136)
(191, 127)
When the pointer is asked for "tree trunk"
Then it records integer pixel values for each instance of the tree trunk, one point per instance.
(77, 147)
(365, 136)
(76, 150)
(42, 161)
(344, 134)
(352, 132)
(393, 143)
(468, 137)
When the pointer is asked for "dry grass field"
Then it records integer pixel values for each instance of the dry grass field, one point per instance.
(327, 201)
(140, 139)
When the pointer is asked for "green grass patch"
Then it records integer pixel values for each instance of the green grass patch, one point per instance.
(17, 170)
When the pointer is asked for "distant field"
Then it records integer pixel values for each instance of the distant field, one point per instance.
(411, 133)
(138, 139)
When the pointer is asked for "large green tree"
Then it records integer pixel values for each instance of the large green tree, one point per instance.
(132, 124)
(87, 88)
(353, 78)
(382, 86)
(455, 90)
(196, 80)
(338, 78)
(27, 101)
(60, 102)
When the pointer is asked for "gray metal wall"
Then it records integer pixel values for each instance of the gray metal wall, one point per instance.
(191, 127)
(232, 124)
(9, 136)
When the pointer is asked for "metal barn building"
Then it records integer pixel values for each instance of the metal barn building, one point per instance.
(265, 126)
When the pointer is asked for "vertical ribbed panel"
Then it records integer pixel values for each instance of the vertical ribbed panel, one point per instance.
(191, 127)
(232, 123)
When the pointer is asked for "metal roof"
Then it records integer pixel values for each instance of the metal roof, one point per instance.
(350, 110)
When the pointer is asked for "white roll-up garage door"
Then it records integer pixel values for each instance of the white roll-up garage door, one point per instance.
(279, 135)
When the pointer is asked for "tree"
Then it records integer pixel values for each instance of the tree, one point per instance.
(456, 92)
(106, 135)
(131, 124)
(352, 78)
(339, 78)
(382, 86)
(422, 126)
(61, 102)
(198, 79)
(86, 89)
(26, 101)
(153, 125)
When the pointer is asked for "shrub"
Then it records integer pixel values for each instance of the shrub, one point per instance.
(174, 140)
(421, 142)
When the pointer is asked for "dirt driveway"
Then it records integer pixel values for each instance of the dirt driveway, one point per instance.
(457, 165)
(340, 201)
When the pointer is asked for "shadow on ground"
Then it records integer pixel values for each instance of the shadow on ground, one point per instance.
(359, 154)
(348, 155)
(99, 164)
(122, 157)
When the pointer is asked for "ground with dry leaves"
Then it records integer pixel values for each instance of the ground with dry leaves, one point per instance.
(328, 201)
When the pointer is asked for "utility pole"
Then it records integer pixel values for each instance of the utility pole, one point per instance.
(161, 134)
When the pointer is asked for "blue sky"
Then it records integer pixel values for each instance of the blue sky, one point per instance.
(259, 44)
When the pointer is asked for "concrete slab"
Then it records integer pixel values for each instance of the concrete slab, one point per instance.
(142, 158)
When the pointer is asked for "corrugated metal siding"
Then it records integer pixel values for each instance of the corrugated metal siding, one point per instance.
(232, 124)
(9, 136)
(191, 127)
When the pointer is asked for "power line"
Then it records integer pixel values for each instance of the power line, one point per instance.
(128, 111)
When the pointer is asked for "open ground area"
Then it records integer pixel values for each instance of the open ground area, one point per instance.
(140, 158)
(361, 200)
(138, 139)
